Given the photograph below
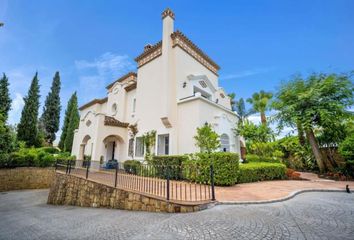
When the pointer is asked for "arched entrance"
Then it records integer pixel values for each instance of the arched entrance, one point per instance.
(112, 143)
(224, 143)
(83, 147)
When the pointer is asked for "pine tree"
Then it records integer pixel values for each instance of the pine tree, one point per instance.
(73, 124)
(51, 111)
(5, 100)
(66, 121)
(27, 128)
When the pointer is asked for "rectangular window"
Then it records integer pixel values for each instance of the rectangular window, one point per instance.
(131, 147)
(163, 144)
(139, 147)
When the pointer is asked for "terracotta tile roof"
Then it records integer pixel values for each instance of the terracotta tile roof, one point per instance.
(131, 75)
(148, 51)
(179, 37)
(111, 121)
(93, 102)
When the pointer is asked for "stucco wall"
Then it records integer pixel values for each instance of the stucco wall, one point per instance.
(186, 65)
(25, 178)
(72, 190)
(195, 113)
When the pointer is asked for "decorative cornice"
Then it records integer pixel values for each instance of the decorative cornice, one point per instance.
(129, 76)
(150, 53)
(110, 121)
(130, 87)
(93, 102)
(179, 39)
(168, 12)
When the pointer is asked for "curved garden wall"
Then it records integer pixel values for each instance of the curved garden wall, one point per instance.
(77, 191)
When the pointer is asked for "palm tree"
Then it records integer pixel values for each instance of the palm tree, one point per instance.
(240, 108)
(232, 100)
(260, 102)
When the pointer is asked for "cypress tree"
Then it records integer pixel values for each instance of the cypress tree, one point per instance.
(5, 100)
(73, 124)
(51, 111)
(66, 121)
(7, 138)
(27, 128)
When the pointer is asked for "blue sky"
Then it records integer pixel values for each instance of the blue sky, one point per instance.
(258, 44)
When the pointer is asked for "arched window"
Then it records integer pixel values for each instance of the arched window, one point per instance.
(224, 143)
(114, 108)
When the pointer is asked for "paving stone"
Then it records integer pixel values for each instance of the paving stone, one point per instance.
(24, 215)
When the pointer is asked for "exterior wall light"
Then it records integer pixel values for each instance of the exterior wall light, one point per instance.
(184, 84)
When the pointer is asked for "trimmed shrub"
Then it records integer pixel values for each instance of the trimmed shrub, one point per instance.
(64, 156)
(261, 171)
(175, 160)
(51, 150)
(30, 157)
(132, 166)
(225, 165)
(45, 160)
(171, 163)
(254, 158)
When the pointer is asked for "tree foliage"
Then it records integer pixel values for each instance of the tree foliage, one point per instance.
(68, 111)
(320, 101)
(74, 120)
(207, 139)
(7, 140)
(232, 101)
(27, 129)
(261, 103)
(51, 111)
(5, 100)
(149, 139)
(255, 133)
(241, 110)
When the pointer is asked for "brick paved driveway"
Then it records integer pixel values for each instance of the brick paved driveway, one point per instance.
(24, 215)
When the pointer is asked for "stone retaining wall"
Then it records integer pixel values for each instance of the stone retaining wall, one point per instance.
(25, 178)
(77, 191)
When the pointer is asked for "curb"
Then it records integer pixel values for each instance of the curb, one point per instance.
(290, 196)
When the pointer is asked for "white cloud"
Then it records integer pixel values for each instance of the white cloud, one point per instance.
(16, 108)
(246, 73)
(95, 75)
(255, 118)
(107, 65)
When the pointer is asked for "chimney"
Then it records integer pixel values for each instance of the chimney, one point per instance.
(168, 84)
(147, 47)
(168, 18)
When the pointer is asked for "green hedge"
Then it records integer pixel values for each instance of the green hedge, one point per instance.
(225, 165)
(33, 157)
(51, 150)
(255, 158)
(261, 171)
(132, 166)
(30, 157)
(171, 163)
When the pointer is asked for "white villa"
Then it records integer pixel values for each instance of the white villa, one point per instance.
(174, 91)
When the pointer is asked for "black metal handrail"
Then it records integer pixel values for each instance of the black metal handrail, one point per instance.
(186, 182)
